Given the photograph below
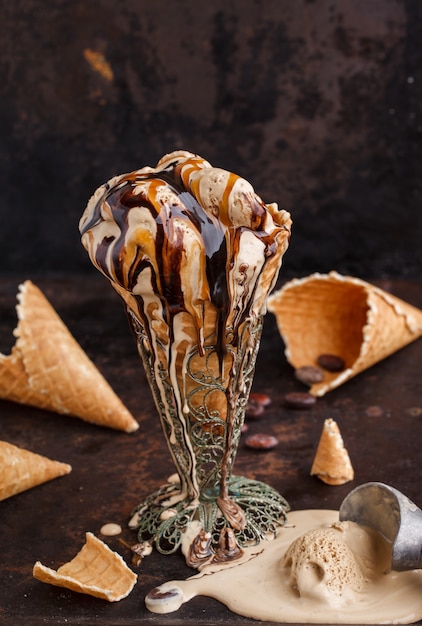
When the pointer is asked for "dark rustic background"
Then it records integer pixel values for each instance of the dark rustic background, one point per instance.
(317, 103)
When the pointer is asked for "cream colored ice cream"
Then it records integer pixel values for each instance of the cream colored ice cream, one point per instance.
(316, 571)
(331, 565)
(194, 252)
(186, 239)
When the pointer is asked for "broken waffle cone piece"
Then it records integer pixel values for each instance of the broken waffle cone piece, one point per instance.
(96, 570)
(21, 469)
(331, 314)
(332, 462)
(48, 369)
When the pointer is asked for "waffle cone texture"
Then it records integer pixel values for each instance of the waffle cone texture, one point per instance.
(96, 570)
(332, 463)
(21, 469)
(343, 316)
(48, 369)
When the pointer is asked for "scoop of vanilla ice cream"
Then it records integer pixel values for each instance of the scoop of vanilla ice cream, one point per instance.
(178, 156)
(324, 568)
(186, 237)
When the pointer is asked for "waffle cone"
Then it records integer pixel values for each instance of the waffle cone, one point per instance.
(96, 570)
(344, 316)
(21, 470)
(48, 369)
(332, 463)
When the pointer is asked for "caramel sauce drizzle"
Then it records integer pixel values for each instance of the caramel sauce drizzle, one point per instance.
(173, 198)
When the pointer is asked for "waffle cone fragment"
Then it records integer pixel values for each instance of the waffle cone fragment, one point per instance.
(48, 369)
(96, 570)
(344, 316)
(21, 470)
(332, 463)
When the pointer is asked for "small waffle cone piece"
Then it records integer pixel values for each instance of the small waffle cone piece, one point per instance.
(96, 570)
(332, 462)
(342, 316)
(21, 469)
(48, 369)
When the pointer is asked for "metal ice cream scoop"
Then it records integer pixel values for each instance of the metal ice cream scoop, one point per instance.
(393, 515)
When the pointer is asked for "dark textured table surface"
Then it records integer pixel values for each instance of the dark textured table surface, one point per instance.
(113, 471)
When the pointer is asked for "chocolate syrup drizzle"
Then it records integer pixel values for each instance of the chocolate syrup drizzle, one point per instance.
(220, 240)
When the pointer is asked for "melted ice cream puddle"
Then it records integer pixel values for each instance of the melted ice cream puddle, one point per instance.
(317, 570)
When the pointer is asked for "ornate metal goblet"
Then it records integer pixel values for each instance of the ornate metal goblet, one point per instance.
(202, 423)
(194, 253)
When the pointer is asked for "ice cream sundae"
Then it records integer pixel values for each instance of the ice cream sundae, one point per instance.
(194, 252)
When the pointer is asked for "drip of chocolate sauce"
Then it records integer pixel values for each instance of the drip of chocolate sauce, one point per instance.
(169, 247)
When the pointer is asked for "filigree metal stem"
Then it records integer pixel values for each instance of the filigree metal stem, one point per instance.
(203, 438)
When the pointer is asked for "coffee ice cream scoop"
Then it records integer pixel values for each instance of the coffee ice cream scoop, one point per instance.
(323, 567)
(393, 515)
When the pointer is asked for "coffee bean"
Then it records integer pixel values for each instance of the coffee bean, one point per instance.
(260, 398)
(253, 409)
(309, 374)
(298, 400)
(261, 441)
(414, 411)
(331, 362)
(244, 428)
(374, 411)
